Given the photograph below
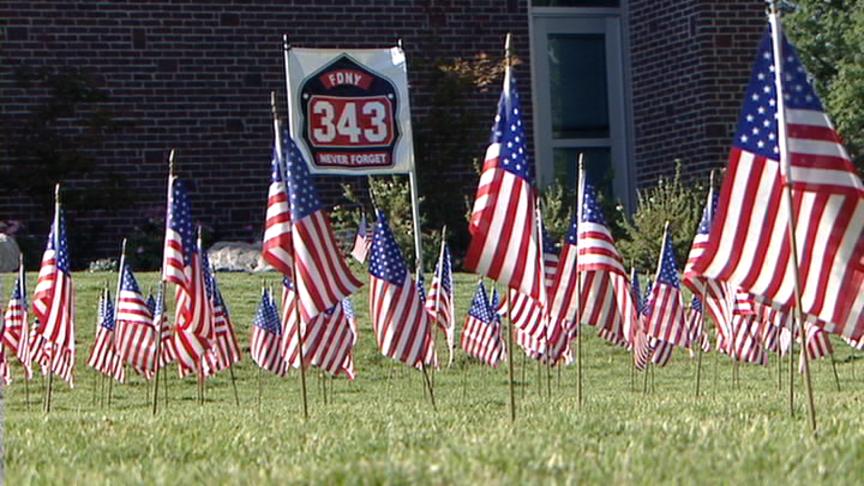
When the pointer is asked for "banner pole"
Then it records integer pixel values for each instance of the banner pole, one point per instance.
(785, 174)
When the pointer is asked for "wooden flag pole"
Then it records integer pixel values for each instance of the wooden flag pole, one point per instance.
(280, 155)
(54, 352)
(439, 272)
(157, 324)
(774, 19)
(836, 376)
(710, 210)
(579, 198)
(510, 347)
(157, 321)
(116, 305)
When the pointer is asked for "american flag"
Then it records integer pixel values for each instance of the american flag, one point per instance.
(16, 332)
(662, 352)
(167, 349)
(348, 366)
(748, 244)
(505, 241)
(430, 357)
(399, 320)
(529, 322)
(818, 344)
(590, 254)
(103, 358)
(440, 302)
(276, 249)
(328, 339)
(323, 276)
(54, 300)
(481, 335)
(666, 308)
(182, 265)
(225, 350)
(135, 339)
(696, 325)
(641, 344)
(362, 242)
(551, 257)
(266, 336)
(746, 344)
(712, 293)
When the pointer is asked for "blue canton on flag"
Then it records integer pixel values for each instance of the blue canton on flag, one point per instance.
(180, 220)
(387, 262)
(509, 132)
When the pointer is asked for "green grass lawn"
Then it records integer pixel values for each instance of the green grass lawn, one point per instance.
(381, 428)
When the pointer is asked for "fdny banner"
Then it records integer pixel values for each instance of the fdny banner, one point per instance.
(349, 110)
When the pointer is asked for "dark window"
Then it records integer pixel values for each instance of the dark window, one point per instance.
(577, 85)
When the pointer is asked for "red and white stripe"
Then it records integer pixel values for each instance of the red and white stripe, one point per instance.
(194, 329)
(747, 345)
(16, 335)
(662, 352)
(277, 244)
(666, 318)
(482, 340)
(264, 349)
(400, 322)
(327, 341)
(505, 242)
(135, 338)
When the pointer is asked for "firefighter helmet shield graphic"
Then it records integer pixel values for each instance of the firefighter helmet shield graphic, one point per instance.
(349, 116)
(349, 110)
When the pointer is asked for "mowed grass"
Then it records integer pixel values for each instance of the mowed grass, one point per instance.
(382, 429)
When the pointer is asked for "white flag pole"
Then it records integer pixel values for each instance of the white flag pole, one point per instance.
(785, 173)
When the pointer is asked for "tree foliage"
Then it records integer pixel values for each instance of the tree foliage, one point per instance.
(674, 200)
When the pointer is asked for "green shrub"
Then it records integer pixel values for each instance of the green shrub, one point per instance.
(392, 196)
(674, 200)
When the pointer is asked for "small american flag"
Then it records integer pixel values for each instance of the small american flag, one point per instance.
(167, 349)
(182, 265)
(135, 340)
(54, 300)
(327, 341)
(399, 320)
(441, 300)
(662, 352)
(749, 243)
(348, 366)
(16, 332)
(696, 325)
(362, 241)
(747, 345)
(818, 344)
(666, 309)
(323, 276)
(266, 336)
(103, 358)
(505, 241)
(481, 335)
(276, 248)
(225, 350)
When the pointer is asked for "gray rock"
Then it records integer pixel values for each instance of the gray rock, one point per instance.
(237, 256)
(9, 253)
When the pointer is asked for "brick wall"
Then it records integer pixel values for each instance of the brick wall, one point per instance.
(196, 75)
(690, 62)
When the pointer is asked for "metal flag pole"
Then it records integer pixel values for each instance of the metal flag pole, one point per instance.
(54, 352)
(785, 173)
(580, 195)
(701, 323)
